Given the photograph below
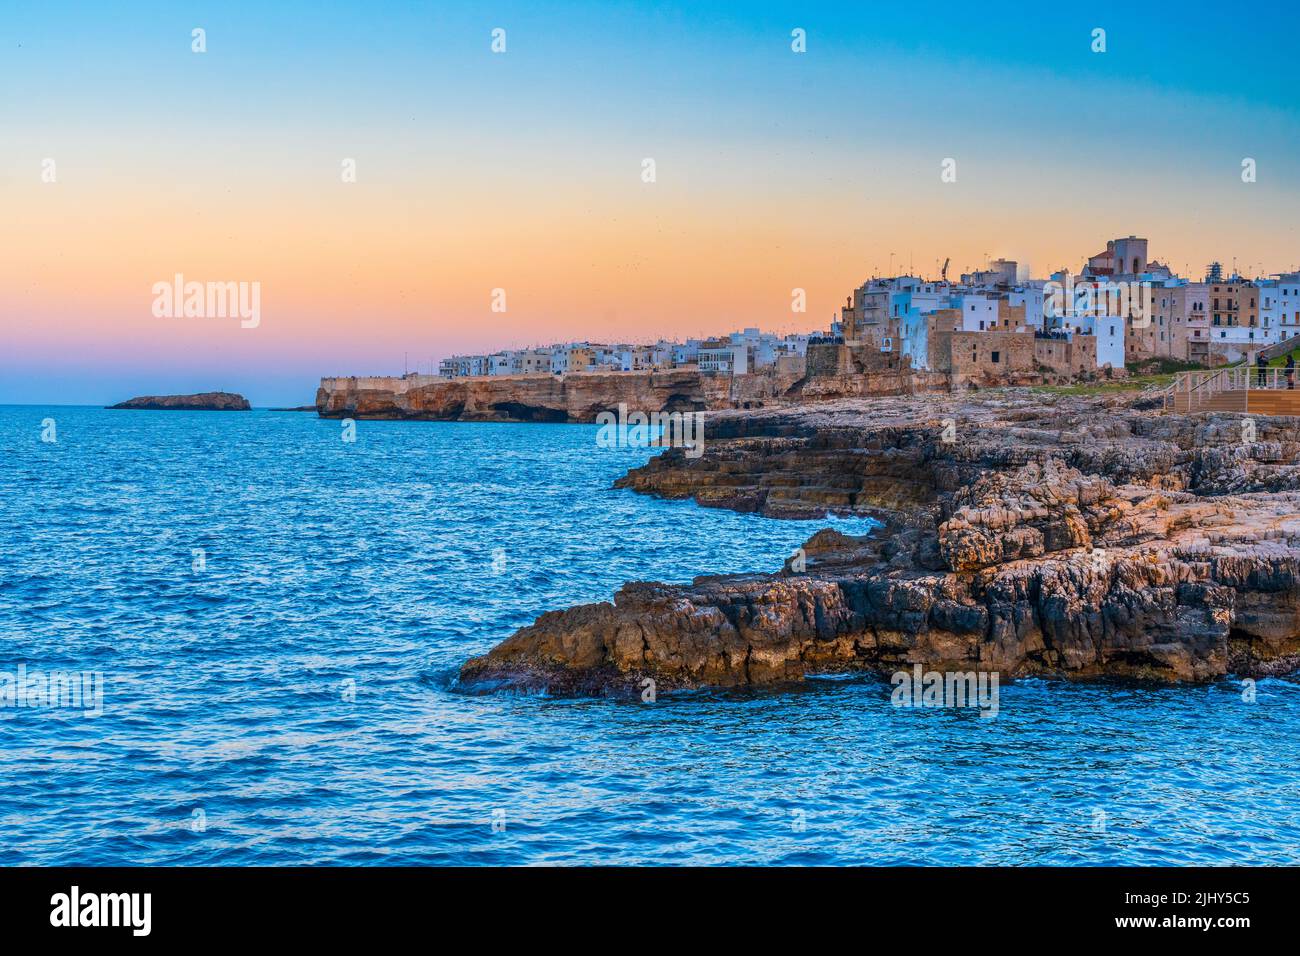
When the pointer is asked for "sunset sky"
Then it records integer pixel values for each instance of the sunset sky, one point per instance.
(523, 170)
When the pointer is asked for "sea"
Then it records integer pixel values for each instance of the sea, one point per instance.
(233, 638)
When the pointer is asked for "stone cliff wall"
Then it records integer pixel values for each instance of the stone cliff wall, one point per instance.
(581, 397)
(530, 398)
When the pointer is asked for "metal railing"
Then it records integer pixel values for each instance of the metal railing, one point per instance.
(1191, 391)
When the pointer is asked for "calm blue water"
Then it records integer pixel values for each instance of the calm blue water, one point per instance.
(291, 702)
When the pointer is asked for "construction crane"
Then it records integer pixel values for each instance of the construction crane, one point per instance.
(944, 272)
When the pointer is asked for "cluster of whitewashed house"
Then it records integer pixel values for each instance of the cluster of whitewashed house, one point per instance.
(1121, 307)
(736, 354)
(1128, 306)
(988, 321)
(1217, 318)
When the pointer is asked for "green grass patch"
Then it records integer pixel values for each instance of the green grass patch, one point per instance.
(1159, 372)
(1134, 383)
(1281, 359)
(1164, 366)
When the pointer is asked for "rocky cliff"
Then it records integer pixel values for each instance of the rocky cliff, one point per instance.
(1024, 534)
(203, 401)
(570, 398)
(529, 398)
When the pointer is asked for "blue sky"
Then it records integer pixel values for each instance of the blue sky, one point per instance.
(484, 170)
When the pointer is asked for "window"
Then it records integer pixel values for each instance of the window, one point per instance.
(995, 357)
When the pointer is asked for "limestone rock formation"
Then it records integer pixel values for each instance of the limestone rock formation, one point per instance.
(1024, 534)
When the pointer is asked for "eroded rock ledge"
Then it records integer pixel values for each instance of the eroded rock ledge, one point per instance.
(1024, 534)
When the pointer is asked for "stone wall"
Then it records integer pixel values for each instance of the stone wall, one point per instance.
(984, 357)
(765, 387)
(537, 398)
(577, 397)
(828, 360)
(862, 371)
(1077, 356)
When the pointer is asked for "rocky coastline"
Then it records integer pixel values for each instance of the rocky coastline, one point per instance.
(1024, 533)
(202, 402)
(573, 398)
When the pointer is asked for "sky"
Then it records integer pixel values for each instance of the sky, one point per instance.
(525, 170)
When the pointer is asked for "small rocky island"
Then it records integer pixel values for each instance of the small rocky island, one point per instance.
(1025, 532)
(201, 402)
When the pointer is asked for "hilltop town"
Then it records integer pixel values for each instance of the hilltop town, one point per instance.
(1121, 308)
(901, 335)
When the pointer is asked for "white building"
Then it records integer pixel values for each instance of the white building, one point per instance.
(913, 339)
(794, 344)
(1277, 305)
(559, 359)
(1288, 304)
(1031, 297)
(718, 356)
(463, 366)
(921, 296)
(662, 353)
(609, 358)
(687, 353)
(1109, 331)
(762, 347)
(979, 313)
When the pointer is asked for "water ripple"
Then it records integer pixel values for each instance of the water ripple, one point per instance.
(289, 699)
